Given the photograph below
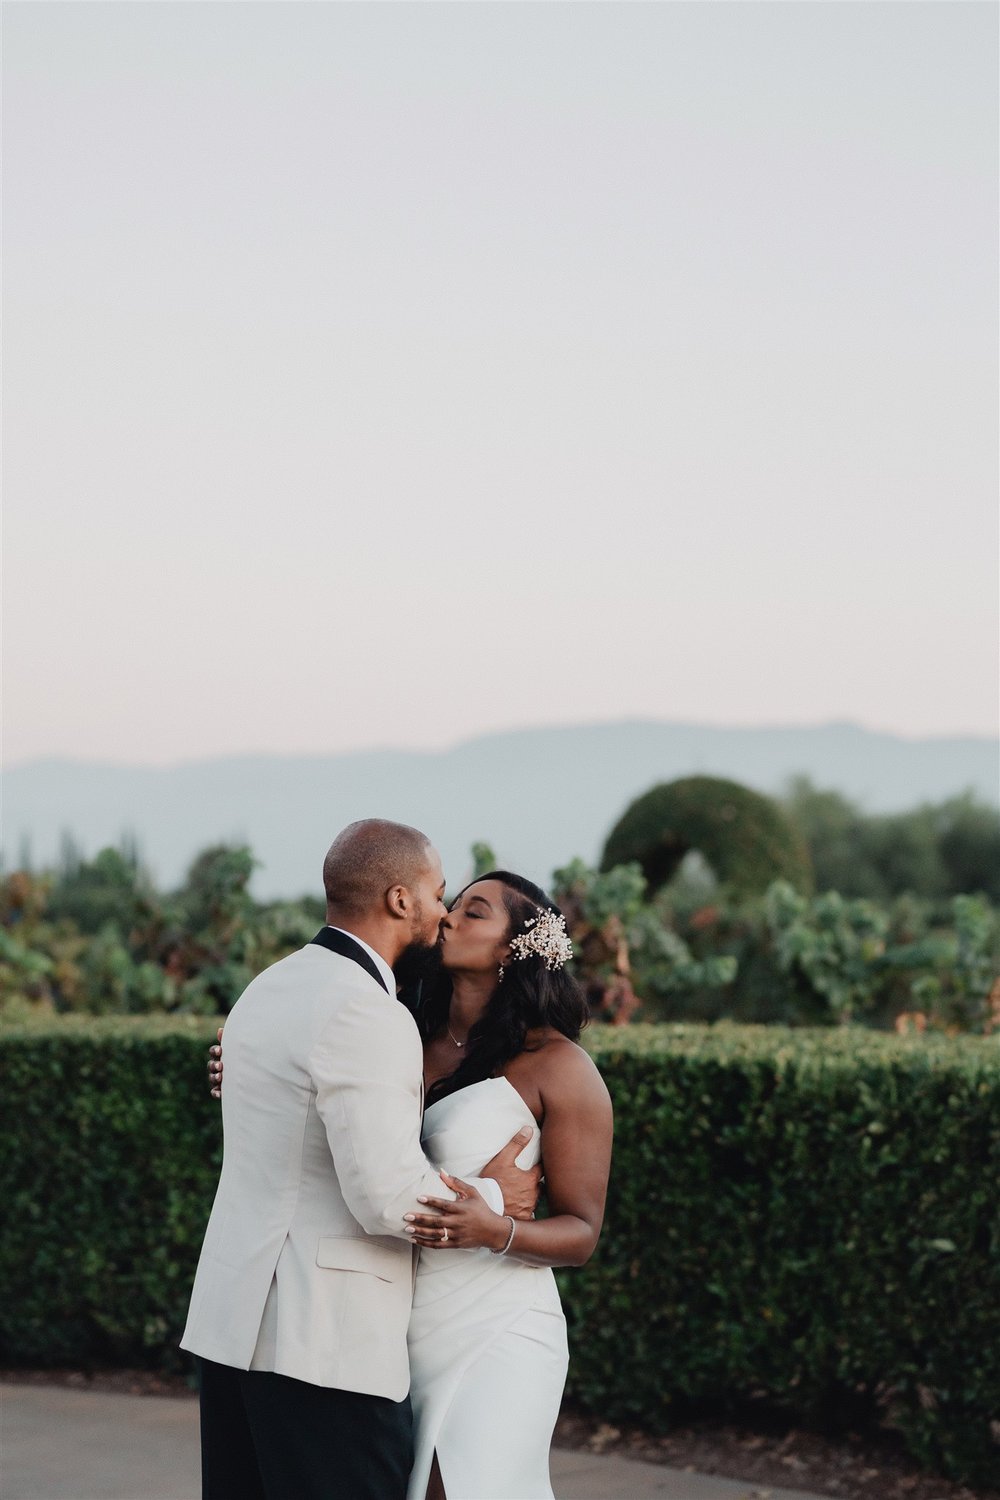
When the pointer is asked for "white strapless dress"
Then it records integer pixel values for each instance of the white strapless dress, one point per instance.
(488, 1354)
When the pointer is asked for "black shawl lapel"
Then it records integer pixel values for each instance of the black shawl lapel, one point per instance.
(340, 942)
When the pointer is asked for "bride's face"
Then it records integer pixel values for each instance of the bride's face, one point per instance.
(474, 934)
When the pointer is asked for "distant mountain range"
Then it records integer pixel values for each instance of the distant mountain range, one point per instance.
(538, 796)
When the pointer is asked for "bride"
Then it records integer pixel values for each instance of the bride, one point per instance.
(487, 1336)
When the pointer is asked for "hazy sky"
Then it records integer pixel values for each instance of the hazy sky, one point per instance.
(383, 374)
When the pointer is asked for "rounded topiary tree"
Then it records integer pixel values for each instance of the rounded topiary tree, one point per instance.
(745, 837)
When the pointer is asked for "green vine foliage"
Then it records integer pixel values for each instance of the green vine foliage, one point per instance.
(603, 895)
(483, 860)
(616, 933)
(806, 1218)
(99, 939)
(843, 950)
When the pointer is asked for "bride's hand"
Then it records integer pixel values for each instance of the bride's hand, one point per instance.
(468, 1223)
(215, 1068)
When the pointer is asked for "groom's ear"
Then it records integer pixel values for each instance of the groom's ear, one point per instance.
(398, 901)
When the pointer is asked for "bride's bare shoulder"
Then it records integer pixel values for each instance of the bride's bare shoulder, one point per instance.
(556, 1061)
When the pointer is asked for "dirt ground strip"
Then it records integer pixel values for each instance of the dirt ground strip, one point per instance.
(854, 1467)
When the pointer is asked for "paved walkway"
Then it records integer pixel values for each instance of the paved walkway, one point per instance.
(65, 1444)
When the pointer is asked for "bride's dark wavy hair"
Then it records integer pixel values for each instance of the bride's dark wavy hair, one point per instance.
(530, 995)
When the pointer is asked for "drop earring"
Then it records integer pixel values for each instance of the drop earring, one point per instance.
(500, 975)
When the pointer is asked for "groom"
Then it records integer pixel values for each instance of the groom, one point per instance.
(302, 1294)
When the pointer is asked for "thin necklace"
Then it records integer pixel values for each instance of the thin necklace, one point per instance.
(453, 1036)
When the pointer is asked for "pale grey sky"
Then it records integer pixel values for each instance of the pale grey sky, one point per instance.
(383, 374)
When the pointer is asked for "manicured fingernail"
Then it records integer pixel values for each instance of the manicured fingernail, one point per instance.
(421, 1200)
(409, 1229)
(409, 1218)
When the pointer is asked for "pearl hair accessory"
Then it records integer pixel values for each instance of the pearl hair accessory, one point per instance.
(547, 937)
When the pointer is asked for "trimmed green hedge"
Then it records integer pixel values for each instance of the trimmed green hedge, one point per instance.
(810, 1218)
(110, 1148)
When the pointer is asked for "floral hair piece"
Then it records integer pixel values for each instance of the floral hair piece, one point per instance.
(547, 937)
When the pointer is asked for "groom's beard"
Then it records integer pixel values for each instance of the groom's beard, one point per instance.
(416, 967)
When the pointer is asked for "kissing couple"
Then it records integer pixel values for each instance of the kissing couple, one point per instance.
(374, 1311)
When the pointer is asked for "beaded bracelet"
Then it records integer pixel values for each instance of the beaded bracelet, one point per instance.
(510, 1237)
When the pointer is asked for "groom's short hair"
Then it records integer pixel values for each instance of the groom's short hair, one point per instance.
(368, 858)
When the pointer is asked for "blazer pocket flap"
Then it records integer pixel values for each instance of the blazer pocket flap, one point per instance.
(337, 1254)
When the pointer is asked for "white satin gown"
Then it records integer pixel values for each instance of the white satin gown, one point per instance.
(487, 1340)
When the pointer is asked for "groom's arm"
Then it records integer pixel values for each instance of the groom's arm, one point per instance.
(367, 1067)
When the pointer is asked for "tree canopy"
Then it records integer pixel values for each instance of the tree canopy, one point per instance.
(745, 837)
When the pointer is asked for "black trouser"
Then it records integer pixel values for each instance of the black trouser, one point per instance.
(269, 1437)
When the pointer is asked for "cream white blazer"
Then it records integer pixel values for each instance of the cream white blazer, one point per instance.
(305, 1268)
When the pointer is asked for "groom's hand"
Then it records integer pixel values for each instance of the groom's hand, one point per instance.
(519, 1185)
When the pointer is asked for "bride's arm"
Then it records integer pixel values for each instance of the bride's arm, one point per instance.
(576, 1152)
